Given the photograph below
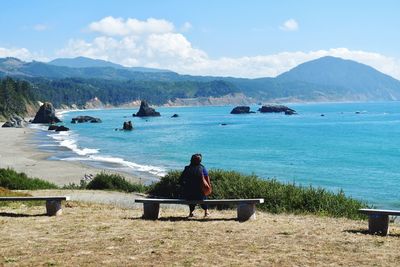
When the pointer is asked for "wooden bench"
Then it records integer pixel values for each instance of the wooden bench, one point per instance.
(53, 204)
(246, 208)
(378, 220)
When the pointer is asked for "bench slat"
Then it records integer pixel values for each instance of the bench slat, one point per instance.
(383, 212)
(34, 198)
(208, 201)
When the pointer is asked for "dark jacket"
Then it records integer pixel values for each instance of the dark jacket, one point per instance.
(190, 182)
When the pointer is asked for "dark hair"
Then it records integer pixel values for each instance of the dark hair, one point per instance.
(195, 159)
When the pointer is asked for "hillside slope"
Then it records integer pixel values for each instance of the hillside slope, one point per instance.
(324, 79)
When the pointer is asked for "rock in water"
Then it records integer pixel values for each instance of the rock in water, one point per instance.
(52, 127)
(62, 129)
(277, 109)
(81, 119)
(175, 116)
(146, 111)
(46, 114)
(241, 110)
(127, 126)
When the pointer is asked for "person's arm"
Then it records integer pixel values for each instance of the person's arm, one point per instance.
(205, 174)
(182, 177)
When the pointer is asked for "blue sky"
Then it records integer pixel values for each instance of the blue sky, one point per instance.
(237, 38)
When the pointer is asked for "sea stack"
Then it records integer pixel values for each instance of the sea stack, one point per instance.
(146, 111)
(81, 119)
(127, 126)
(241, 110)
(277, 109)
(46, 114)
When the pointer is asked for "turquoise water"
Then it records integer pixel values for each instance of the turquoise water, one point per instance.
(358, 153)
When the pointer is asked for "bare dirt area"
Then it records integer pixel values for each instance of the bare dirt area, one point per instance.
(98, 234)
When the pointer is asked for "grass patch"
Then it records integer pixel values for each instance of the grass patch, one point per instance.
(103, 235)
(4, 192)
(13, 180)
(279, 197)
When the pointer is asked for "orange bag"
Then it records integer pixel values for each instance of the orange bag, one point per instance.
(206, 185)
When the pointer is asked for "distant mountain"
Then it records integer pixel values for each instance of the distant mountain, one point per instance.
(85, 62)
(340, 79)
(324, 79)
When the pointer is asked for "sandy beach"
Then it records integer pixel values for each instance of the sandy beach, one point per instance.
(19, 153)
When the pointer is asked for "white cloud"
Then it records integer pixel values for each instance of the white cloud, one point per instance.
(155, 43)
(290, 25)
(119, 27)
(21, 53)
(40, 27)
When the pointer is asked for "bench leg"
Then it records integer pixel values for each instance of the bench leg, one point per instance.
(246, 211)
(53, 207)
(378, 224)
(151, 211)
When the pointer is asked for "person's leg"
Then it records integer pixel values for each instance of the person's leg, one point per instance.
(205, 207)
(191, 209)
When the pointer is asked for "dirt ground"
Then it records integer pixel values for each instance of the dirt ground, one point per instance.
(98, 234)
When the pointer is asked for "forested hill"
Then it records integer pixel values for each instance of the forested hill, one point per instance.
(78, 91)
(15, 97)
(75, 81)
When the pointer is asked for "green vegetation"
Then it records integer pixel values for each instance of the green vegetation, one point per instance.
(116, 92)
(13, 180)
(106, 181)
(14, 97)
(279, 197)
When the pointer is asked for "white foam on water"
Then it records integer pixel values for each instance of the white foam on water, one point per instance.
(157, 171)
(38, 126)
(68, 139)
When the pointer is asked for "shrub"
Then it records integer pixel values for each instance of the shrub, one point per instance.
(114, 182)
(167, 187)
(13, 180)
(279, 197)
(81, 186)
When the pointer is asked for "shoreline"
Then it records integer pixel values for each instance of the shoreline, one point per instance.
(19, 152)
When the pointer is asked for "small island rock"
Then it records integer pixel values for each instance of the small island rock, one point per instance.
(241, 110)
(81, 119)
(127, 126)
(277, 109)
(146, 111)
(62, 128)
(52, 127)
(46, 114)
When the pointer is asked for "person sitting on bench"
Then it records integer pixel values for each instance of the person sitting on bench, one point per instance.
(191, 181)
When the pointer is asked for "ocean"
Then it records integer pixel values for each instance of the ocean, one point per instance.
(349, 146)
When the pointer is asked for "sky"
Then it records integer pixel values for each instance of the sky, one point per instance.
(252, 38)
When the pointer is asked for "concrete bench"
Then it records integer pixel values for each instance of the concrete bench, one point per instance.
(378, 220)
(53, 204)
(246, 208)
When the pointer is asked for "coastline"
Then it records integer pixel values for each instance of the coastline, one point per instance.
(19, 152)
